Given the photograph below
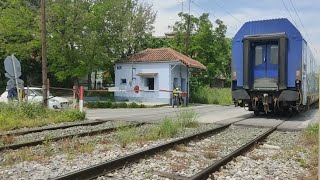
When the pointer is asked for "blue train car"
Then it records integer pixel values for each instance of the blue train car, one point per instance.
(273, 68)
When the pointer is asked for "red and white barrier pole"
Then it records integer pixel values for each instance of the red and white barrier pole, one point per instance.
(81, 99)
(74, 100)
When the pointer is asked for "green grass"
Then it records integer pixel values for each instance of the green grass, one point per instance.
(206, 95)
(310, 142)
(13, 116)
(167, 128)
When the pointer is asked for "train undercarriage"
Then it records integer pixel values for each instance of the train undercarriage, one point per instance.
(284, 101)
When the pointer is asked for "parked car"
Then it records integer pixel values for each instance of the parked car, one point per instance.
(35, 96)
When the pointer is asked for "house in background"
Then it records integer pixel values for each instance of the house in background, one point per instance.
(156, 72)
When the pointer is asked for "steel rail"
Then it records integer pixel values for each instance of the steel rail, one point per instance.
(205, 173)
(104, 167)
(89, 133)
(34, 130)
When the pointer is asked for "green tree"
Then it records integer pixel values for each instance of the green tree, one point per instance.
(208, 45)
(20, 35)
(85, 37)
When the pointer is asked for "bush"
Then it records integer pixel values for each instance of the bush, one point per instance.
(122, 105)
(15, 116)
(99, 104)
(114, 105)
(206, 95)
(133, 105)
(142, 106)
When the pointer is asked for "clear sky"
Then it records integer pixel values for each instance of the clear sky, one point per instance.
(234, 13)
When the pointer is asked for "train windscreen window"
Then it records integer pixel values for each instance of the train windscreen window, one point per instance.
(274, 54)
(150, 83)
(258, 55)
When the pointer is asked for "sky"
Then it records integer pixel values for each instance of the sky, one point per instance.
(234, 13)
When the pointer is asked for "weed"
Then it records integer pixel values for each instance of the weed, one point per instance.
(26, 154)
(181, 148)
(47, 142)
(14, 116)
(257, 157)
(7, 139)
(210, 155)
(126, 135)
(187, 119)
(167, 128)
(87, 147)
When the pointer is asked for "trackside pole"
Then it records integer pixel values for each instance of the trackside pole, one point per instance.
(74, 102)
(81, 99)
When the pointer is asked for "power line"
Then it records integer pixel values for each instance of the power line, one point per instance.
(289, 13)
(227, 11)
(233, 28)
(307, 35)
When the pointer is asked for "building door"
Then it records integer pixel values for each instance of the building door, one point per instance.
(265, 71)
(183, 85)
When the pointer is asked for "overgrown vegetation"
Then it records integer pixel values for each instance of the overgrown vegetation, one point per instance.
(113, 105)
(206, 95)
(311, 143)
(13, 116)
(167, 128)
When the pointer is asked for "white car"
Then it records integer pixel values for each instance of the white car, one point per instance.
(35, 96)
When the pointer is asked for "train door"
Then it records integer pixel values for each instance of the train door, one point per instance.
(265, 71)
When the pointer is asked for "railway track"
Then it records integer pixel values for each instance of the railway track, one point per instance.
(40, 129)
(109, 166)
(65, 126)
(80, 134)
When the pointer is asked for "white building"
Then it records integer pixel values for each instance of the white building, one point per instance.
(155, 72)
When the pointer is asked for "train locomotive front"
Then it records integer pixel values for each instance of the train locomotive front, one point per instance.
(273, 68)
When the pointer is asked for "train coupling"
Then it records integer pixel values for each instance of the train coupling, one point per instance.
(265, 103)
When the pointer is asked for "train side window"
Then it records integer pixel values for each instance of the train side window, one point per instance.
(258, 55)
(274, 54)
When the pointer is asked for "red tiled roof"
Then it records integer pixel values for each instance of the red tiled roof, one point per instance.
(163, 54)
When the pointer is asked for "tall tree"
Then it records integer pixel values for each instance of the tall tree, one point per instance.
(208, 45)
(20, 35)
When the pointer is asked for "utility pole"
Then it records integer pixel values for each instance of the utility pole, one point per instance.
(188, 32)
(44, 54)
(187, 49)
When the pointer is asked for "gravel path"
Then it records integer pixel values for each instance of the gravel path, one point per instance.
(63, 132)
(54, 159)
(276, 159)
(186, 160)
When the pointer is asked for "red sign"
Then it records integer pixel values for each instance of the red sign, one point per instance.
(136, 89)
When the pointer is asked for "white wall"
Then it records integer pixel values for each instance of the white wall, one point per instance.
(179, 72)
(161, 80)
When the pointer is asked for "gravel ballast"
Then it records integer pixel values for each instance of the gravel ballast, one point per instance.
(43, 135)
(277, 158)
(54, 159)
(186, 160)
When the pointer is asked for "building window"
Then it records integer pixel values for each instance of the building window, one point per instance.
(119, 67)
(123, 81)
(150, 83)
